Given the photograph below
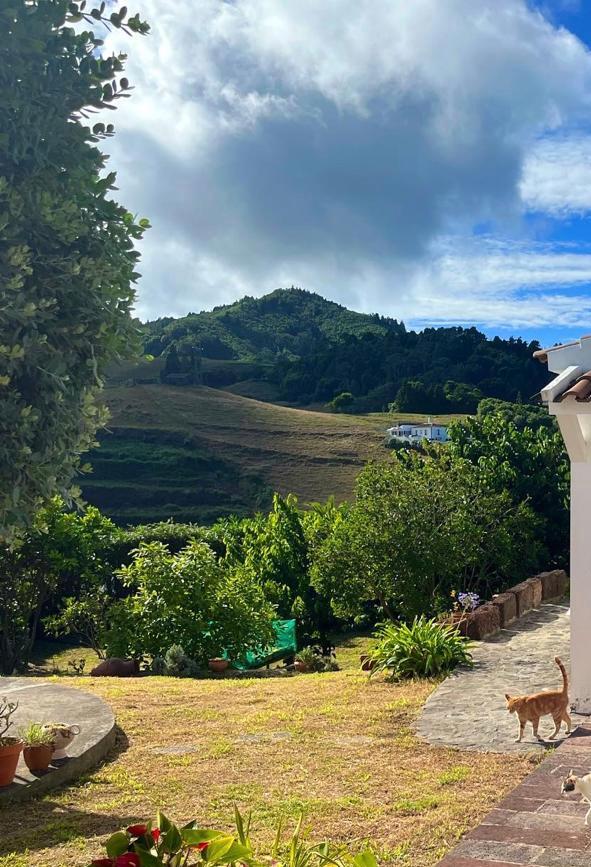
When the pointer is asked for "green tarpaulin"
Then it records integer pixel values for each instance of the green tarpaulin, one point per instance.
(285, 645)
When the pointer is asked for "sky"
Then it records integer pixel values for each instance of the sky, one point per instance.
(427, 160)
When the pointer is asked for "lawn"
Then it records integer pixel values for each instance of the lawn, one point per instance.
(338, 746)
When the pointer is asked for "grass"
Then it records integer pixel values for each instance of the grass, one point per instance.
(195, 453)
(338, 746)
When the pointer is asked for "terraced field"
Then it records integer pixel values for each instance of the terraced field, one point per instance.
(196, 453)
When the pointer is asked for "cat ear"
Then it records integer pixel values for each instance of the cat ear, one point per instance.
(507, 696)
(571, 773)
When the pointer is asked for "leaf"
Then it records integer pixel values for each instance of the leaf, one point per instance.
(365, 859)
(117, 844)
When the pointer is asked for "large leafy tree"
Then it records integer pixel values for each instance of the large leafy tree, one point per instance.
(530, 464)
(420, 528)
(67, 257)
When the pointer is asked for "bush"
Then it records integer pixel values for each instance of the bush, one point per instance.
(178, 664)
(423, 649)
(191, 598)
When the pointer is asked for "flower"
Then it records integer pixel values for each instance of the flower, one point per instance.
(201, 846)
(128, 859)
(155, 835)
(137, 830)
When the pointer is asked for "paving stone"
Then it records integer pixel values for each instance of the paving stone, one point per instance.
(457, 861)
(565, 808)
(562, 858)
(487, 850)
(536, 836)
(521, 802)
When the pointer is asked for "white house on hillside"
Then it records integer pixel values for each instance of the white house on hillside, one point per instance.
(415, 433)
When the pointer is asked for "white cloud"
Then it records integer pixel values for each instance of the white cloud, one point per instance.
(332, 144)
(557, 175)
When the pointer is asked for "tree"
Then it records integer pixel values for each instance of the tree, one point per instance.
(67, 257)
(420, 528)
(62, 554)
(530, 464)
(189, 599)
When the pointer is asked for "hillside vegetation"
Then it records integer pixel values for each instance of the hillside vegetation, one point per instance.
(308, 350)
(196, 453)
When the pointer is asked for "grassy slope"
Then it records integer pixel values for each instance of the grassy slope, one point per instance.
(338, 746)
(197, 452)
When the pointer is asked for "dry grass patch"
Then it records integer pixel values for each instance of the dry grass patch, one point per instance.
(335, 745)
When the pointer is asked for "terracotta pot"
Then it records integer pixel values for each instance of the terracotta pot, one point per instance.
(301, 666)
(218, 665)
(9, 754)
(37, 758)
(63, 735)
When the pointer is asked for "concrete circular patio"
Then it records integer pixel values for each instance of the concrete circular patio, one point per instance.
(40, 701)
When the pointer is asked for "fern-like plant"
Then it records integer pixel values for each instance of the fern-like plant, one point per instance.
(424, 648)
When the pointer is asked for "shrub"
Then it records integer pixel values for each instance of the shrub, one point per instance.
(178, 664)
(423, 649)
(161, 842)
(204, 605)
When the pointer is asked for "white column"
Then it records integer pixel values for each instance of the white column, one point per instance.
(580, 586)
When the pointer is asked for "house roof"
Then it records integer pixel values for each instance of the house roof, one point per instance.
(580, 391)
(542, 354)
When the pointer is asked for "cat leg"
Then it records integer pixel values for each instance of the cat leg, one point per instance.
(588, 816)
(567, 720)
(557, 722)
(521, 728)
(535, 723)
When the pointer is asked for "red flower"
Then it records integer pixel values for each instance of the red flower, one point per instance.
(128, 859)
(155, 835)
(137, 830)
(102, 862)
(200, 846)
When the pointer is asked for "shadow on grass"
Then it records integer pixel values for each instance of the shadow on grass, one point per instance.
(46, 822)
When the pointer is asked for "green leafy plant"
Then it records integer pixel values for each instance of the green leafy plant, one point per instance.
(36, 735)
(161, 842)
(7, 710)
(208, 606)
(315, 660)
(77, 665)
(178, 664)
(67, 257)
(425, 648)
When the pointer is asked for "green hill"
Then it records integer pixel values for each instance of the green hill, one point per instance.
(290, 322)
(197, 453)
(306, 350)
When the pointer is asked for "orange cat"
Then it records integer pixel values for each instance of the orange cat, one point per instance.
(529, 708)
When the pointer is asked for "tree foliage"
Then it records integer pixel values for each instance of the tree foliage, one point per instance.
(189, 599)
(67, 257)
(529, 465)
(62, 554)
(314, 350)
(420, 528)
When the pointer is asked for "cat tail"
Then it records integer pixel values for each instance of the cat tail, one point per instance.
(564, 676)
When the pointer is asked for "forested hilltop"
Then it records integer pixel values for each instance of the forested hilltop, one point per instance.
(309, 350)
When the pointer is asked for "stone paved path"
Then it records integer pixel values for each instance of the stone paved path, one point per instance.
(535, 824)
(468, 709)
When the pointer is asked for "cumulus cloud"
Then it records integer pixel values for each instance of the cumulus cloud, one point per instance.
(332, 144)
(557, 175)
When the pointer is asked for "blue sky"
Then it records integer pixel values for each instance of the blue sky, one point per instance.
(427, 160)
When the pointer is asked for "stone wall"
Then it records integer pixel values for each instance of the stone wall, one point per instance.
(506, 607)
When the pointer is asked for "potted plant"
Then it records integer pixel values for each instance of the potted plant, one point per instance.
(305, 660)
(10, 747)
(39, 747)
(218, 664)
(62, 736)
